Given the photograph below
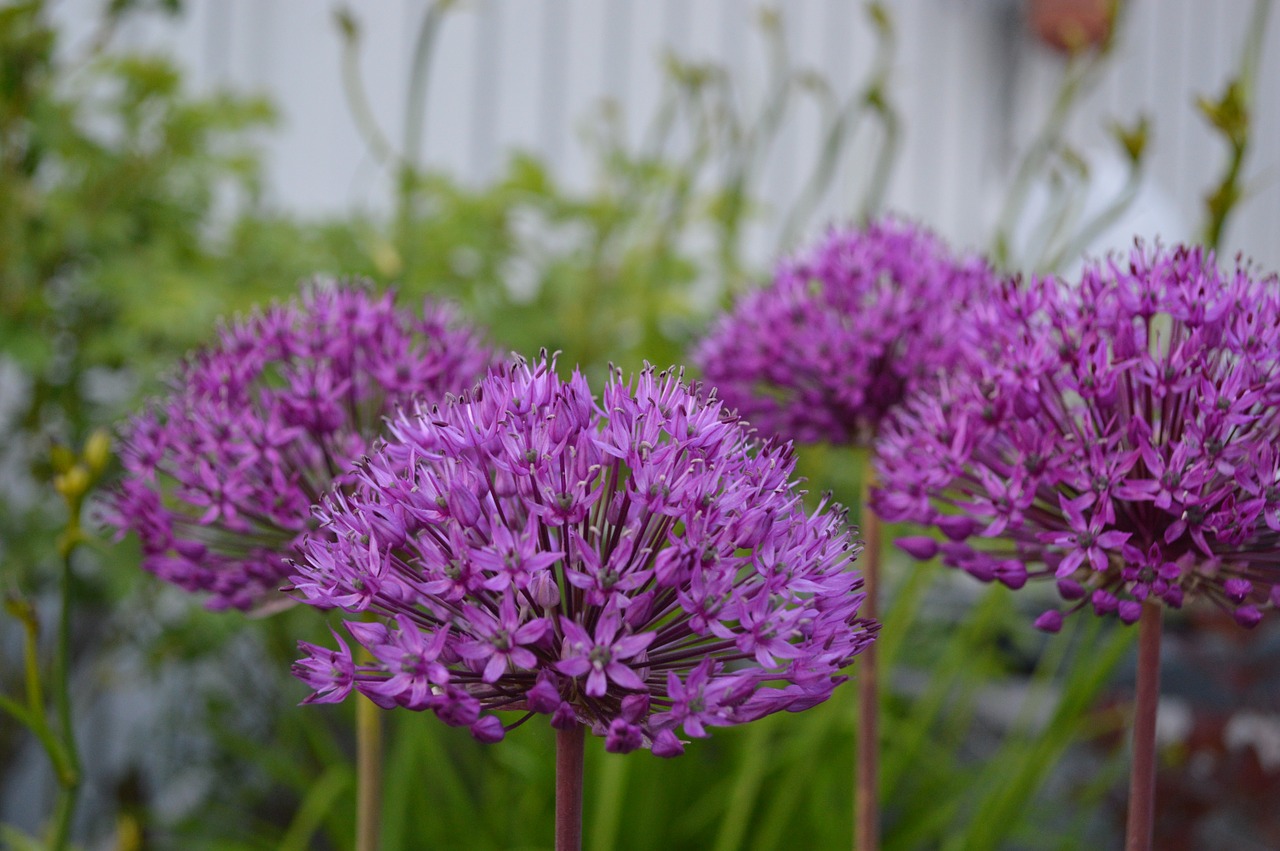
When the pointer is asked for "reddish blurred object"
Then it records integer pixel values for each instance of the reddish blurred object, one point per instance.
(1071, 25)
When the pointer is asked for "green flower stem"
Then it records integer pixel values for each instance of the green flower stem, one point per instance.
(866, 766)
(67, 764)
(36, 723)
(1081, 75)
(368, 774)
(353, 87)
(62, 661)
(415, 116)
(31, 662)
(1142, 773)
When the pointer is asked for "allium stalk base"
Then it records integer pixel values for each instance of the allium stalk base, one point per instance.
(1142, 774)
(569, 756)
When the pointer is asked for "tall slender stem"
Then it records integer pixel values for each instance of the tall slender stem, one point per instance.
(866, 803)
(569, 748)
(1142, 775)
(69, 779)
(368, 774)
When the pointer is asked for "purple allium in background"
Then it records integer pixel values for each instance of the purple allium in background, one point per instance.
(221, 473)
(1122, 440)
(640, 566)
(845, 331)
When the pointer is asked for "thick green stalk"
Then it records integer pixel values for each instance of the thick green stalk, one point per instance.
(368, 774)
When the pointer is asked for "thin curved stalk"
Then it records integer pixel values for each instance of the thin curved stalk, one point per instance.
(891, 125)
(1081, 75)
(353, 88)
(415, 113)
(415, 107)
(842, 126)
(1094, 228)
(1237, 103)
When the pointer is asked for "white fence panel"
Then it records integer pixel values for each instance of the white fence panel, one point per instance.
(969, 81)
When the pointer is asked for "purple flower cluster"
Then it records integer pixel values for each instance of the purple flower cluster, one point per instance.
(1121, 438)
(635, 566)
(221, 473)
(845, 332)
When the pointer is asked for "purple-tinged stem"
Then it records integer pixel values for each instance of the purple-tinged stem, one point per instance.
(1142, 774)
(866, 795)
(569, 747)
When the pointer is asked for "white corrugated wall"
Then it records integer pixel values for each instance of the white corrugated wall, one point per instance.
(970, 83)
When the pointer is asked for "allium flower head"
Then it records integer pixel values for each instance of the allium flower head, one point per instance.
(844, 332)
(222, 471)
(1122, 440)
(640, 566)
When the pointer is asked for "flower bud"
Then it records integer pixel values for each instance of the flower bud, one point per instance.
(97, 451)
(488, 729)
(543, 589)
(1050, 621)
(918, 546)
(73, 484)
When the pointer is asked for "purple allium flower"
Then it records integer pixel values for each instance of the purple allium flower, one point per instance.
(221, 473)
(845, 331)
(1122, 440)
(639, 566)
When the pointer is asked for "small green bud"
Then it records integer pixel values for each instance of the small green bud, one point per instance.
(1133, 139)
(347, 24)
(880, 19)
(1229, 114)
(386, 259)
(21, 608)
(97, 451)
(73, 484)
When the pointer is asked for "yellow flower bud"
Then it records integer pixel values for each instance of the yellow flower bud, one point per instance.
(97, 451)
(73, 484)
